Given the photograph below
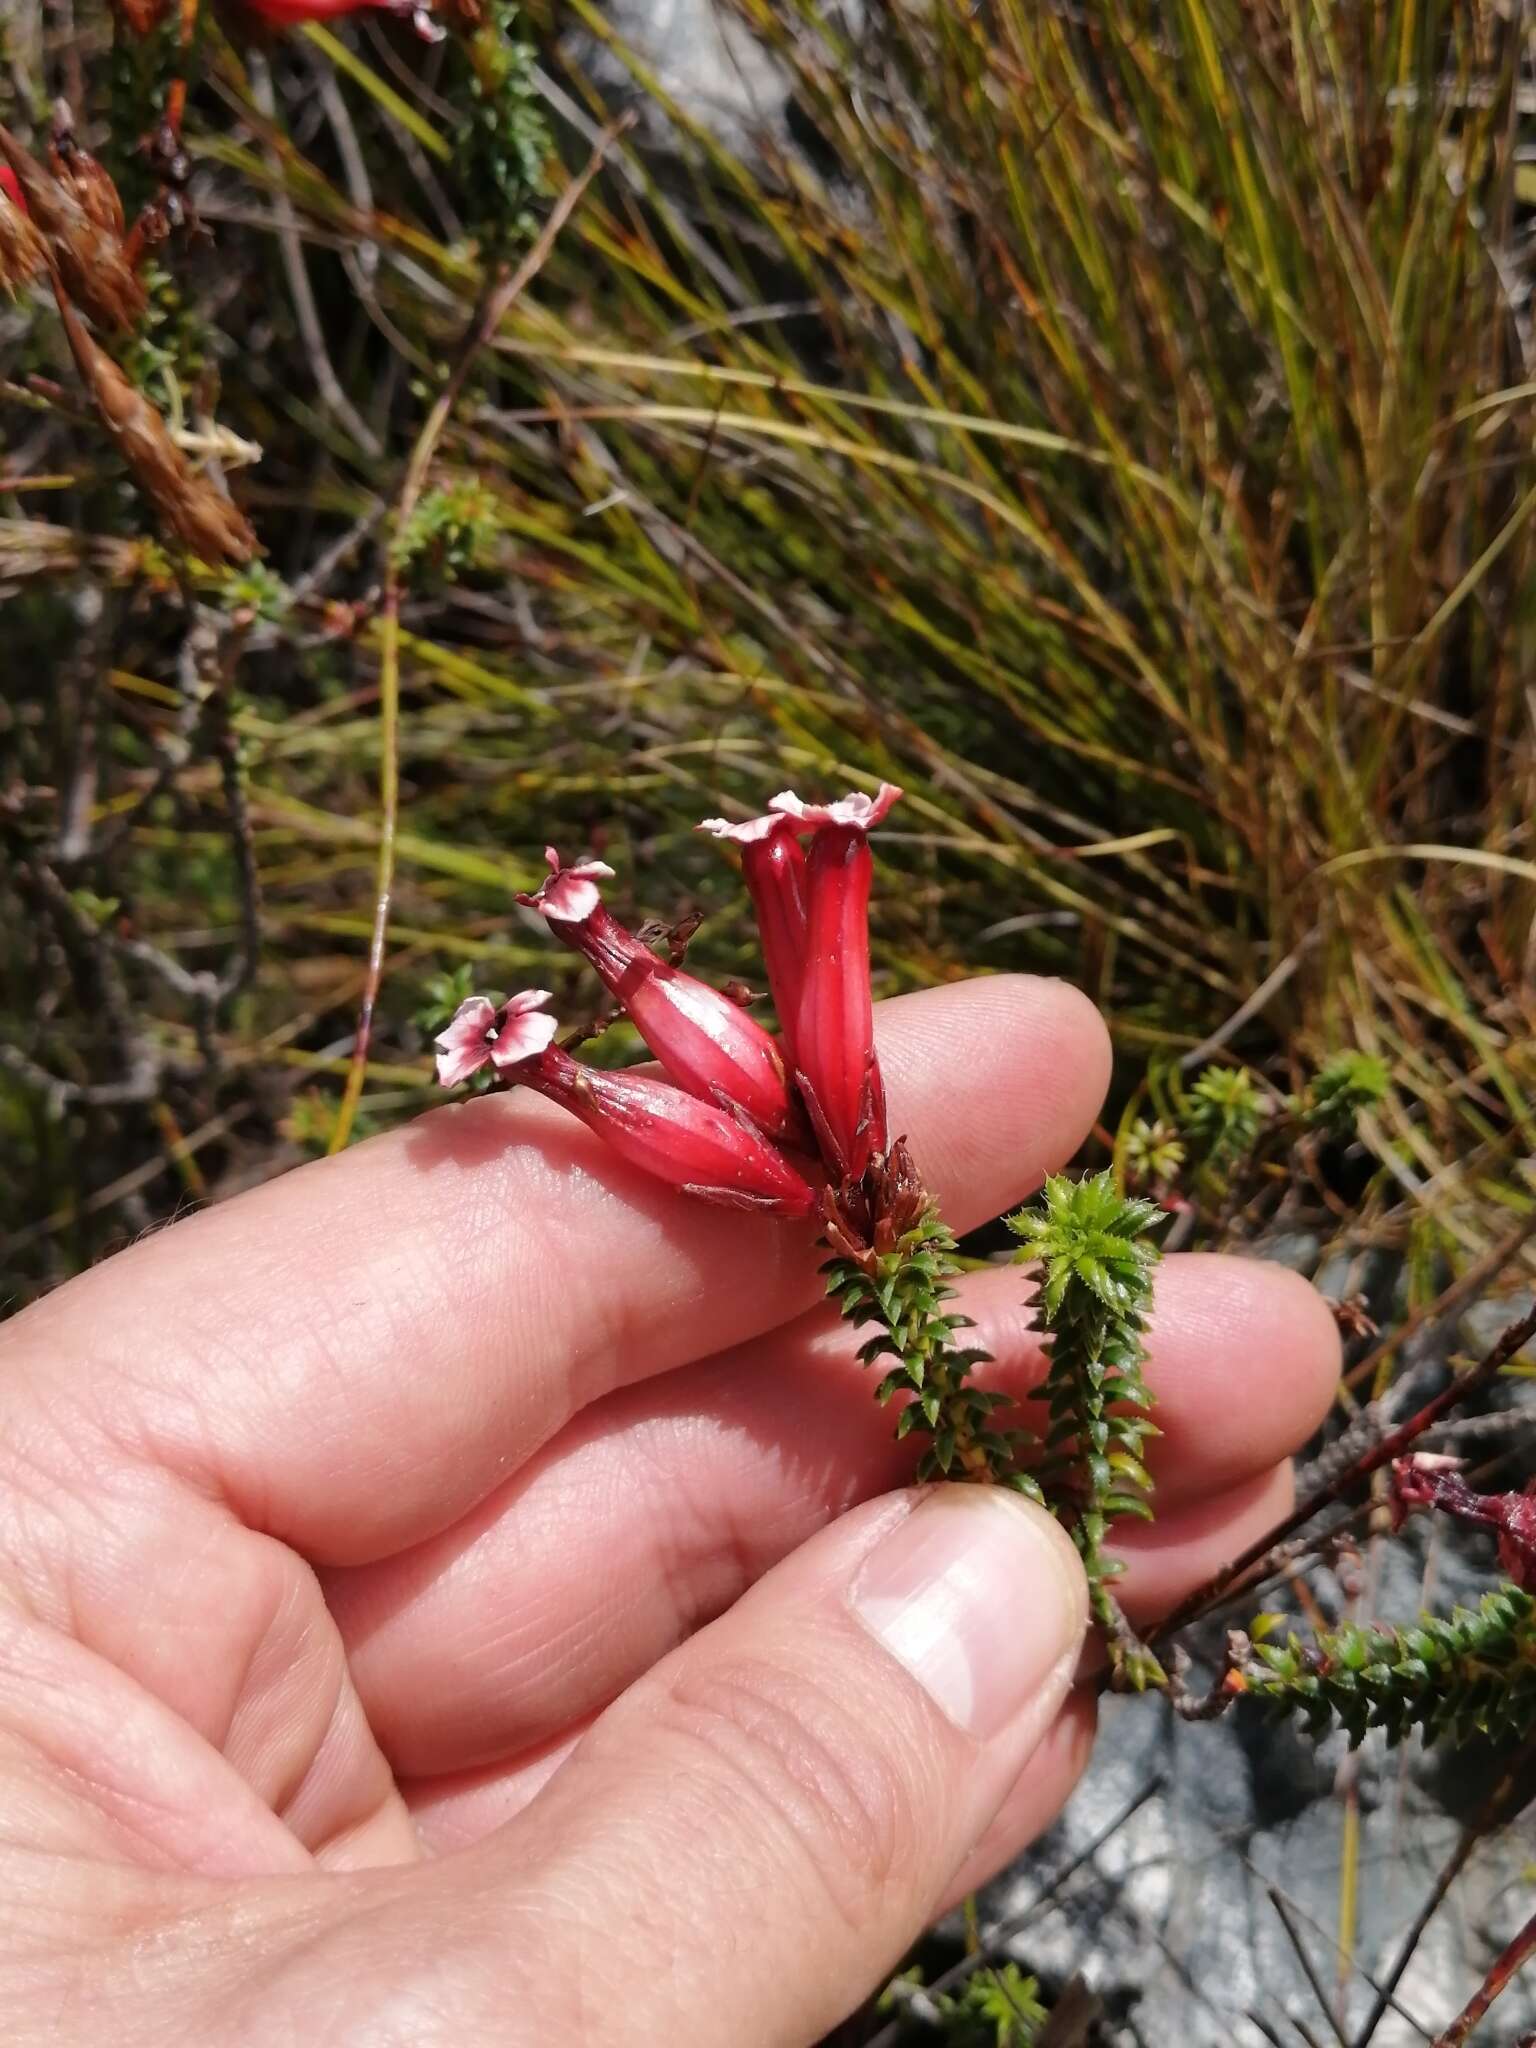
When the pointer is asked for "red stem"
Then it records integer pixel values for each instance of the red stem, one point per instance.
(1392, 1446)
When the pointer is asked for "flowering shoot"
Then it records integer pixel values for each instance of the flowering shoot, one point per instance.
(707, 1044)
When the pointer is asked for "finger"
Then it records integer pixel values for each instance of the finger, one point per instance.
(458, 1808)
(159, 1591)
(1036, 1796)
(654, 1511)
(96, 1773)
(1167, 1559)
(1164, 1561)
(817, 1765)
(353, 1355)
(456, 1811)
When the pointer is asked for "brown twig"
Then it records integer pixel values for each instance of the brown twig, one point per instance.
(141, 1082)
(499, 296)
(1211, 1705)
(1497, 1981)
(1309, 1969)
(1488, 1817)
(1257, 1556)
(1451, 1302)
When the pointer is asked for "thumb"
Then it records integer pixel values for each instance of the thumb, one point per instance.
(766, 1821)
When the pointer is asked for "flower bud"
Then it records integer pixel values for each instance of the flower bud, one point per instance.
(706, 1043)
(835, 1068)
(690, 1144)
(773, 868)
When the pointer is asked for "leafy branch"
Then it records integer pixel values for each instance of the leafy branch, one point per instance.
(1472, 1672)
(892, 1264)
(1095, 1287)
(893, 1257)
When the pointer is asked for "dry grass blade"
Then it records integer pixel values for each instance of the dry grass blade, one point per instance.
(500, 296)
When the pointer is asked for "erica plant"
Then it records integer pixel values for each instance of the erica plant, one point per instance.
(1094, 1258)
(792, 1124)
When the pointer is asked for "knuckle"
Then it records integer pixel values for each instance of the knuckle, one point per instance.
(801, 1770)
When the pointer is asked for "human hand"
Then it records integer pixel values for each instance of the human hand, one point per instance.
(452, 1595)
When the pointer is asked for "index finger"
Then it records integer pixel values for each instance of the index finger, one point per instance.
(354, 1355)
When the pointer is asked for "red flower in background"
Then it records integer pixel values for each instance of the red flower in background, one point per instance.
(290, 13)
(22, 255)
(1426, 1481)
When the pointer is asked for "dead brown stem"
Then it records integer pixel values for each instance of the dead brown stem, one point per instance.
(1256, 1558)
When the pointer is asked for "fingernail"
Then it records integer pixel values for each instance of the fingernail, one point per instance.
(979, 1596)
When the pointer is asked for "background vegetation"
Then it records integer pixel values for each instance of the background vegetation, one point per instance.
(1115, 425)
(1117, 429)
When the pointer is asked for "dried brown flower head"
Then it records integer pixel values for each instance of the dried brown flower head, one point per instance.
(21, 247)
(86, 182)
(865, 1219)
(190, 508)
(86, 253)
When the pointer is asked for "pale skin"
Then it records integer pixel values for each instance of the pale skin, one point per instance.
(449, 1595)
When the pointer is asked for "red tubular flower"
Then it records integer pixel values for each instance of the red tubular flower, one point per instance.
(773, 868)
(705, 1151)
(21, 247)
(707, 1043)
(1423, 1480)
(282, 14)
(834, 1038)
(691, 1145)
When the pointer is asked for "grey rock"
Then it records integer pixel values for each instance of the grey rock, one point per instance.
(1485, 1321)
(1300, 1250)
(1172, 1922)
(706, 61)
(1365, 1271)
